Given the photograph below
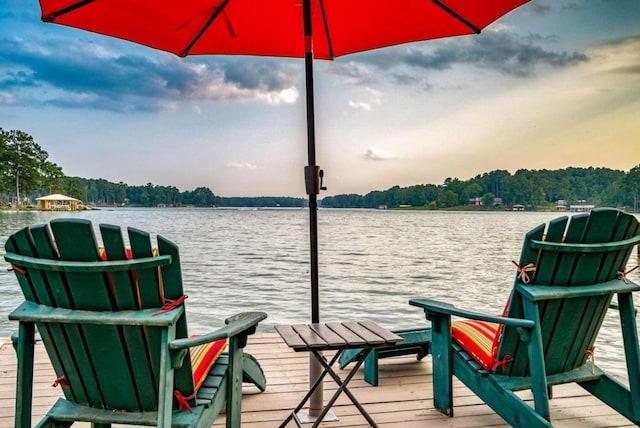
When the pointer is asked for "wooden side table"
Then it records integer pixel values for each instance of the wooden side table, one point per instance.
(338, 336)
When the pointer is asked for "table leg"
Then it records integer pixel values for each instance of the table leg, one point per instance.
(315, 385)
(342, 386)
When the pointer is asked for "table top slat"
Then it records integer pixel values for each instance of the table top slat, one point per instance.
(388, 336)
(329, 336)
(370, 337)
(290, 336)
(310, 337)
(353, 340)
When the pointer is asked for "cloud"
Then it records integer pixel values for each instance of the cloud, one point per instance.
(542, 8)
(352, 72)
(619, 57)
(78, 73)
(241, 165)
(359, 105)
(377, 154)
(499, 50)
(373, 98)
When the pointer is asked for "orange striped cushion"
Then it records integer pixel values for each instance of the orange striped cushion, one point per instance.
(478, 339)
(203, 357)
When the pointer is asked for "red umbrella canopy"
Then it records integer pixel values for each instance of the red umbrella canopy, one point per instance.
(275, 27)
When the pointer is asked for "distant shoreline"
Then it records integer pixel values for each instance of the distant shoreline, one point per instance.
(461, 208)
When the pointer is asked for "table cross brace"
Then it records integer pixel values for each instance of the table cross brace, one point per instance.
(342, 387)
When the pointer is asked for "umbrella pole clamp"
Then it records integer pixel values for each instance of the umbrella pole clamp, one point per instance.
(313, 179)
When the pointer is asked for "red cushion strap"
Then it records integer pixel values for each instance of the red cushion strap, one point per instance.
(171, 304)
(591, 355)
(17, 269)
(522, 271)
(502, 363)
(183, 402)
(623, 275)
(60, 380)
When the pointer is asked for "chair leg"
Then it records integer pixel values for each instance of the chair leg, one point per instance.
(631, 350)
(252, 372)
(371, 368)
(24, 383)
(539, 385)
(234, 385)
(165, 384)
(442, 364)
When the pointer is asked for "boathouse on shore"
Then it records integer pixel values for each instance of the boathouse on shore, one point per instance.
(57, 202)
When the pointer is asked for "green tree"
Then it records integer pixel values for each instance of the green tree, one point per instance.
(487, 199)
(537, 198)
(51, 178)
(632, 184)
(471, 190)
(393, 197)
(374, 199)
(447, 199)
(76, 187)
(25, 164)
(201, 196)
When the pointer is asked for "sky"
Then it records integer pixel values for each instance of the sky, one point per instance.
(552, 84)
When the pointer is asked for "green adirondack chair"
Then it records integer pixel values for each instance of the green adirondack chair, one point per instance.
(567, 276)
(116, 331)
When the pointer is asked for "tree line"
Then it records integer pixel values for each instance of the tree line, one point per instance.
(103, 192)
(27, 173)
(535, 189)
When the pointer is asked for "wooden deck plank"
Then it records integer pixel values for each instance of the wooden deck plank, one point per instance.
(403, 398)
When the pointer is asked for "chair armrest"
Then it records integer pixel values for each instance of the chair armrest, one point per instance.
(33, 312)
(97, 266)
(600, 247)
(242, 324)
(540, 292)
(444, 308)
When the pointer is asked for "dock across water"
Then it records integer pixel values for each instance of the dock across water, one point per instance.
(403, 399)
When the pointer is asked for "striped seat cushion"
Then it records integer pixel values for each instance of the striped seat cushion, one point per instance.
(479, 339)
(203, 357)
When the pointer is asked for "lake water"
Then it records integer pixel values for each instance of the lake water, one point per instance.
(371, 263)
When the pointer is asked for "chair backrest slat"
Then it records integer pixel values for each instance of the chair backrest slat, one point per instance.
(172, 281)
(123, 283)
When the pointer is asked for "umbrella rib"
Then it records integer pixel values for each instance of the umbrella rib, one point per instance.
(51, 17)
(457, 16)
(327, 34)
(203, 30)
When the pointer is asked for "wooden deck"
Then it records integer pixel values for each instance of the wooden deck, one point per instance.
(403, 398)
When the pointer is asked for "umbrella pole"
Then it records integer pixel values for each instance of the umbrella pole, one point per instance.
(312, 182)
